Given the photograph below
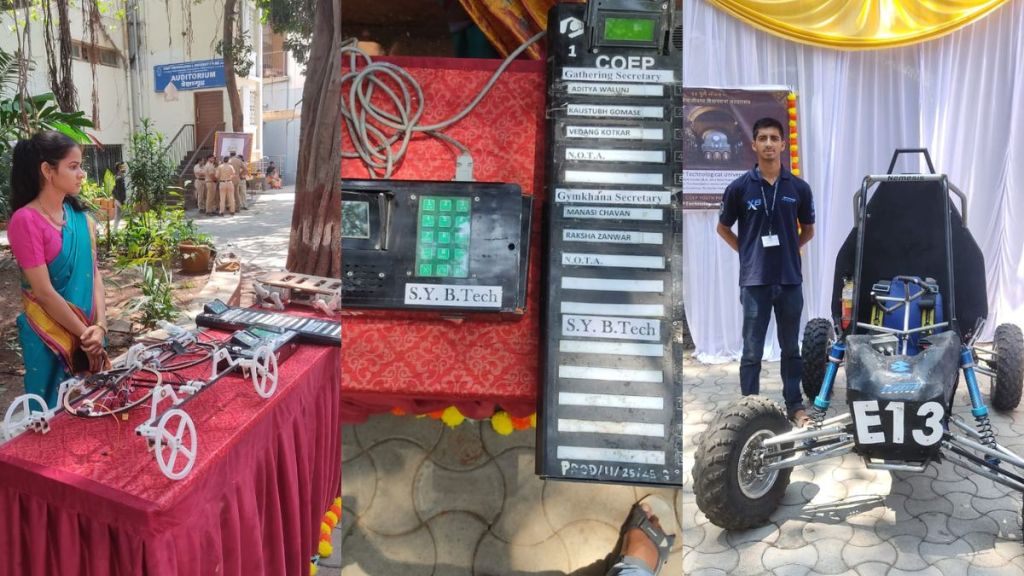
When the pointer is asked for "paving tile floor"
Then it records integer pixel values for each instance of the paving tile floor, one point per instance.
(838, 517)
(420, 498)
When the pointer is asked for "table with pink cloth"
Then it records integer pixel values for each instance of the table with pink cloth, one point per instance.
(89, 498)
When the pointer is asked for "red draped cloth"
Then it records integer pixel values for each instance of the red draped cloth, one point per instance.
(425, 365)
(88, 498)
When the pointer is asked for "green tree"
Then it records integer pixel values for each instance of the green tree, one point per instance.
(150, 171)
(315, 243)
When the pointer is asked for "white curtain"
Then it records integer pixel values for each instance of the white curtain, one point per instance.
(961, 96)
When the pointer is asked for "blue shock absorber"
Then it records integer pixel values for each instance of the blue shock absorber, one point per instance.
(978, 408)
(835, 356)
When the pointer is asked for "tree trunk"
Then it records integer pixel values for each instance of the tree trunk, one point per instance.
(315, 244)
(231, 85)
(59, 66)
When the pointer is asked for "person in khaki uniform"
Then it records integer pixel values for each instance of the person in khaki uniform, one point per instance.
(211, 184)
(239, 165)
(225, 178)
(199, 170)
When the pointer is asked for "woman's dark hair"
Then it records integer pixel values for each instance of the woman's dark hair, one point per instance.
(26, 181)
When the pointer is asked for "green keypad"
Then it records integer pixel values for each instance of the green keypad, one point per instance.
(442, 247)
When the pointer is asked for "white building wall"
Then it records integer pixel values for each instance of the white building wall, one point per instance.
(111, 82)
(126, 93)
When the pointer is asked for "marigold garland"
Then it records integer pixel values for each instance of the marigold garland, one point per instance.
(502, 423)
(452, 417)
(325, 547)
(794, 148)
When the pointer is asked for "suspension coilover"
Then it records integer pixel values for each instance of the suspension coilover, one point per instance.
(987, 436)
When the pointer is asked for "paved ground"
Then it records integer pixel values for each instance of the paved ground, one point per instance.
(259, 235)
(423, 499)
(840, 518)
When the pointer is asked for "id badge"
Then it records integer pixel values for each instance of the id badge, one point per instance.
(770, 240)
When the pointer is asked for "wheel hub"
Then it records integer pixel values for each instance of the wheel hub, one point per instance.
(753, 480)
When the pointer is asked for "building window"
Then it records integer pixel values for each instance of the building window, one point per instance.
(93, 53)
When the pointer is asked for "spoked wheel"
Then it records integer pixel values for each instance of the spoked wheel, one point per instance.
(19, 413)
(1009, 367)
(175, 444)
(814, 350)
(112, 392)
(264, 372)
(729, 480)
(170, 356)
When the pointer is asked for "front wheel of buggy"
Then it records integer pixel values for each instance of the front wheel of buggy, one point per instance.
(729, 481)
(814, 350)
(1009, 367)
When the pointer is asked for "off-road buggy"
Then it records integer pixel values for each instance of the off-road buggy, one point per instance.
(914, 283)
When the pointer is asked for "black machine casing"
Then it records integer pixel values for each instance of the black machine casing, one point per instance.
(379, 272)
(929, 376)
(611, 408)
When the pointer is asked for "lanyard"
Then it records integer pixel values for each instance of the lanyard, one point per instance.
(775, 194)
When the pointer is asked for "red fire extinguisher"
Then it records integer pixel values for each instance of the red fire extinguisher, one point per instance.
(847, 302)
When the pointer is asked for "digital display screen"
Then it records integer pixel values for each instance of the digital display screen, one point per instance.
(632, 29)
(442, 236)
(355, 220)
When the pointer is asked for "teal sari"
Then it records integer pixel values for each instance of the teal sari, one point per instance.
(48, 349)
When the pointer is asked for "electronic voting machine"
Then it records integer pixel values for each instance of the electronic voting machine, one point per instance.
(612, 374)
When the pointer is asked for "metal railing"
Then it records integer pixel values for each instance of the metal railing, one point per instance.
(184, 141)
(207, 140)
(275, 64)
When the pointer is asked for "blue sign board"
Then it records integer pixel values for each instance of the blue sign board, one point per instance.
(195, 75)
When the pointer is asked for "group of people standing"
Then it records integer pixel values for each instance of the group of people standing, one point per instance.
(221, 186)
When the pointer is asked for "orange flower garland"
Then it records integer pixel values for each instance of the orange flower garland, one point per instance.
(502, 422)
(325, 548)
(794, 150)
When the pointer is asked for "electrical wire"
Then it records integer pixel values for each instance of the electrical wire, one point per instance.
(374, 130)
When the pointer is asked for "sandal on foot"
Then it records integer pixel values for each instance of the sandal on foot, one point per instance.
(638, 519)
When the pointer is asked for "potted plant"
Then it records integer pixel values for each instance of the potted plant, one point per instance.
(99, 197)
(194, 248)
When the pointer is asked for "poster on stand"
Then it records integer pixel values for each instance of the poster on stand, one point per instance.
(717, 138)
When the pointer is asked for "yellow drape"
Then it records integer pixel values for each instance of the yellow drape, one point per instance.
(508, 23)
(858, 24)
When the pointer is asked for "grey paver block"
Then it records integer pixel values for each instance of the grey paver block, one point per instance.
(359, 483)
(948, 484)
(392, 510)
(935, 552)
(456, 536)
(792, 570)
(460, 448)
(347, 520)
(950, 566)
(908, 556)
(872, 569)
(806, 555)
(927, 571)
(750, 559)
(962, 505)
(350, 447)
(424, 432)
(726, 560)
(830, 557)
(410, 554)
(496, 557)
(587, 542)
(480, 491)
(766, 534)
(983, 524)
(938, 529)
(814, 531)
(936, 505)
(883, 552)
(565, 502)
(522, 520)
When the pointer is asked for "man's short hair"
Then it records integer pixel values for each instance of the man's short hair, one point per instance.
(768, 122)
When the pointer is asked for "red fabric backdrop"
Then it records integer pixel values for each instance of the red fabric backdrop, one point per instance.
(88, 498)
(425, 365)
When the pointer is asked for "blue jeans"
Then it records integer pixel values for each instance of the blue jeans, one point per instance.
(758, 303)
(630, 566)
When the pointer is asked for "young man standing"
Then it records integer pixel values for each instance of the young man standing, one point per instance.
(768, 202)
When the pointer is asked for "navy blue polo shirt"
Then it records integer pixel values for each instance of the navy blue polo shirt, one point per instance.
(749, 201)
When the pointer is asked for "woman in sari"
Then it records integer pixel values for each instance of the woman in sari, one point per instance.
(63, 329)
